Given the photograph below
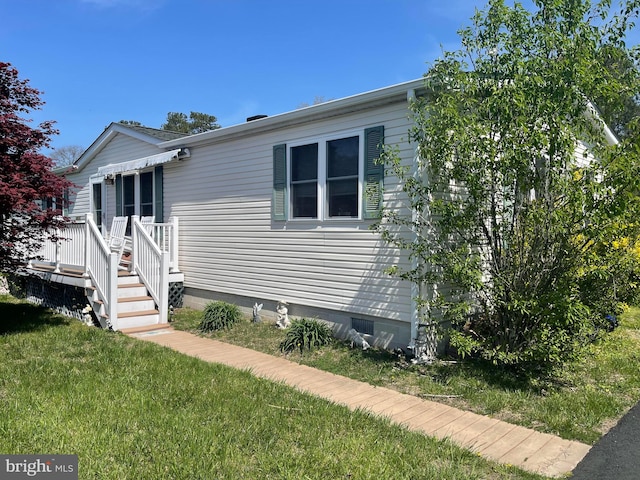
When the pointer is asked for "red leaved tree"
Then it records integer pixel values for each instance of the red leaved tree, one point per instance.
(27, 183)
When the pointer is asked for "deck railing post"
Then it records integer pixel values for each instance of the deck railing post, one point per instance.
(174, 244)
(87, 240)
(58, 254)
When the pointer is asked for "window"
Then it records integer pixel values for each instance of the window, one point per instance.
(331, 178)
(96, 189)
(304, 181)
(338, 189)
(342, 177)
(146, 194)
(59, 205)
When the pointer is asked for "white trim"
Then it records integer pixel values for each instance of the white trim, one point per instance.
(138, 164)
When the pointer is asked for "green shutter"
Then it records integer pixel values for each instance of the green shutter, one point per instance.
(158, 194)
(373, 172)
(279, 199)
(118, 182)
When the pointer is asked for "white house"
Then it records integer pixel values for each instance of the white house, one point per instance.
(274, 209)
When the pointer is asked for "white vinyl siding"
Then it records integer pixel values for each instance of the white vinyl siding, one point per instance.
(230, 244)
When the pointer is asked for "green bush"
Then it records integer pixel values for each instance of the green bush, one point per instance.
(219, 315)
(307, 333)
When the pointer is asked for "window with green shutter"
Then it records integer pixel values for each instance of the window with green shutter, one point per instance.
(331, 177)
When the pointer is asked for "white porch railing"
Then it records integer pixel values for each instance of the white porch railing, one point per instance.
(81, 247)
(165, 235)
(68, 251)
(151, 264)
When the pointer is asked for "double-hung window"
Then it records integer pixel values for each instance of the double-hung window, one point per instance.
(331, 178)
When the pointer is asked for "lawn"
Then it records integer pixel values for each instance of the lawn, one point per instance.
(581, 403)
(134, 410)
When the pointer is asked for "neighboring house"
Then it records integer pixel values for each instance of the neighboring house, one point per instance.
(275, 209)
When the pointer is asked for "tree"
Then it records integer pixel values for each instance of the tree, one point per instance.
(510, 228)
(130, 122)
(619, 112)
(66, 155)
(26, 178)
(317, 100)
(196, 122)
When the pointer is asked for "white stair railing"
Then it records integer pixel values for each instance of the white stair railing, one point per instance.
(151, 264)
(165, 235)
(101, 266)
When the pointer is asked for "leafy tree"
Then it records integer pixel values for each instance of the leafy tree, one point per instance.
(66, 155)
(196, 122)
(620, 111)
(508, 223)
(130, 122)
(25, 175)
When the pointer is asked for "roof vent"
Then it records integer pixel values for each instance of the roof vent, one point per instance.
(256, 117)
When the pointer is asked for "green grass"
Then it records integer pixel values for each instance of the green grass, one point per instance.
(580, 403)
(134, 410)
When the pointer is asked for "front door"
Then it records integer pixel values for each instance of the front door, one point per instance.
(98, 194)
(139, 194)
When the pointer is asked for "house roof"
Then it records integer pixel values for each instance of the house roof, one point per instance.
(164, 135)
(152, 136)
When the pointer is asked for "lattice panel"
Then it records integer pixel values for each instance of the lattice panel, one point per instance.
(426, 347)
(176, 294)
(64, 299)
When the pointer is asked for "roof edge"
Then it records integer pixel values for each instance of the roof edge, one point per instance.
(362, 101)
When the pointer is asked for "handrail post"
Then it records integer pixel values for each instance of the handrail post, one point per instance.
(113, 290)
(163, 295)
(174, 244)
(134, 242)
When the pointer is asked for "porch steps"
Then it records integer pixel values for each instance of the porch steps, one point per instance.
(136, 309)
(146, 328)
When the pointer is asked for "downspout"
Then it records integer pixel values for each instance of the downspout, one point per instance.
(415, 289)
(419, 336)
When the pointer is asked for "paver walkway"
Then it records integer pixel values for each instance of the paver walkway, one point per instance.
(493, 439)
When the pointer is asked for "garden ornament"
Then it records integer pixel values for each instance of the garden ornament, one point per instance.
(283, 317)
(357, 339)
(86, 315)
(256, 313)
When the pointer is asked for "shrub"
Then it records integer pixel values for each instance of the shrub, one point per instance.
(219, 315)
(307, 333)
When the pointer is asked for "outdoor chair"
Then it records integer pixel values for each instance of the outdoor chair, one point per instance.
(147, 223)
(116, 238)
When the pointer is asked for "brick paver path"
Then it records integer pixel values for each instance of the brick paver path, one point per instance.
(493, 439)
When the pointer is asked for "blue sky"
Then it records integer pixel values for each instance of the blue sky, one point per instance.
(99, 61)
